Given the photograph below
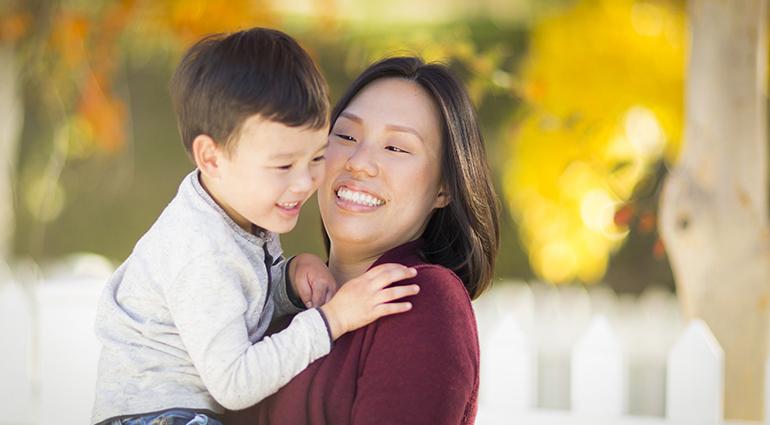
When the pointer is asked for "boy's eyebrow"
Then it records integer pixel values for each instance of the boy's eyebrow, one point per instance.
(290, 155)
(282, 155)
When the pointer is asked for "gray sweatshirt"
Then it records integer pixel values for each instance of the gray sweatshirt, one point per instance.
(182, 319)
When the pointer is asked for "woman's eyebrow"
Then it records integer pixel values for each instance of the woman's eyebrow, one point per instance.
(390, 127)
(351, 116)
(404, 129)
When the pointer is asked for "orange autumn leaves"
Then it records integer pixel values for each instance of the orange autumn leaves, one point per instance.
(85, 46)
(190, 19)
(83, 49)
(14, 24)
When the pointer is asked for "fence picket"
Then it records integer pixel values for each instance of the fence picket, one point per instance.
(695, 382)
(69, 349)
(508, 368)
(599, 384)
(553, 347)
(17, 386)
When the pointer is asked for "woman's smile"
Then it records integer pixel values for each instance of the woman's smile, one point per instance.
(346, 194)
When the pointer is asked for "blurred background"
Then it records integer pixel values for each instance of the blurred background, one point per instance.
(580, 100)
(582, 107)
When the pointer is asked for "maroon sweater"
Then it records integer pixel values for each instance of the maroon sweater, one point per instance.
(418, 367)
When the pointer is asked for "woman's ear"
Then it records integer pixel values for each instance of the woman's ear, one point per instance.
(207, 155)
(442, 199)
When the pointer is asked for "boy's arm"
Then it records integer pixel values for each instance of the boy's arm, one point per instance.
(208, 306)
(285, 302)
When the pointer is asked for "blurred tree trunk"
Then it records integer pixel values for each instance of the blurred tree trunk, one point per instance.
(11, 116)
(714, 213)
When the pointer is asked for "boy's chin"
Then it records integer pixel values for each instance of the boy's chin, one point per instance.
(281, 228)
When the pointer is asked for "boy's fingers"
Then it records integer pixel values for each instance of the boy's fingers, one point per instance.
(392, 308)
(304, 291)
(393, 275)
(397, 292)
(319, 295)
(378, 271)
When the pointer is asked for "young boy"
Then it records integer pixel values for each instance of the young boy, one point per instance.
(182, 320)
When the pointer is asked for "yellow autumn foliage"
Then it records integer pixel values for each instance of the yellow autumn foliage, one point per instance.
(604, 82)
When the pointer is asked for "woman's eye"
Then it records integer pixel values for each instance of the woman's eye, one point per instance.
(345, 137)
(284, 167)
(395, 149)
(319, 158)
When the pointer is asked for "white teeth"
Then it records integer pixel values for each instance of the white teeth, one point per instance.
(358, 197)
(288, 205)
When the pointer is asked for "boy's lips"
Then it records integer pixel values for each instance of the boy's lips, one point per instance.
(289, 208)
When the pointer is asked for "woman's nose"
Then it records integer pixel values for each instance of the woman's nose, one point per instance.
(362, 161)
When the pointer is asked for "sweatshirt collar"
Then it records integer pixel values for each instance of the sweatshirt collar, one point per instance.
(259, 237)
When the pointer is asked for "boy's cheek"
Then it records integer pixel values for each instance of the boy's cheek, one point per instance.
(318, 177)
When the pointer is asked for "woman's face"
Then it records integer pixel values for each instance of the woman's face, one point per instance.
(383, 168)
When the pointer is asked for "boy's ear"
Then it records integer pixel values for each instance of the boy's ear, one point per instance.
(207, 155)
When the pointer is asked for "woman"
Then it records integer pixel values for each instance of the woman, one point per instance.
(406, 182)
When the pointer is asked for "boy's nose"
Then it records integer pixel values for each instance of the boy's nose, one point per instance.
(305, 180)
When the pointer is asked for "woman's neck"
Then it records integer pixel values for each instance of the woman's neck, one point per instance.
(347, 265)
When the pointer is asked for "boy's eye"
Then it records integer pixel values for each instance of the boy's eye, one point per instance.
(319, 158)
(284, 167)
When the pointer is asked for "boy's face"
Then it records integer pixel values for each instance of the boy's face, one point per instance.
(271, 172)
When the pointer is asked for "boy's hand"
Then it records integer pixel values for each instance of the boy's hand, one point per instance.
(311, 280)
(365, 299)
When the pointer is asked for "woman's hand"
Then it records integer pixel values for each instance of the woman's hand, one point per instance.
(311, 280)
(366, 298)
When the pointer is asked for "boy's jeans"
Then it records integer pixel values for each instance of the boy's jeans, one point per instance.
(170, 417)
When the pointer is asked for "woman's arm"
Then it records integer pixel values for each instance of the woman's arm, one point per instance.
(422, 366)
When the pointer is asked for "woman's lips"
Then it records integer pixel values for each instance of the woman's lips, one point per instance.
(358, 197)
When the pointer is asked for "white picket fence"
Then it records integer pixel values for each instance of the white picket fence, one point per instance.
(48, 351)
(568, 355)
(575, 355)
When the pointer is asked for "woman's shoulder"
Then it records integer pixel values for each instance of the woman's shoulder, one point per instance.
(440, 288)
(439, 281)
(442, 301)
(441, 321)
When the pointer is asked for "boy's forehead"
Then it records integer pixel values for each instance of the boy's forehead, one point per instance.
(278, 140)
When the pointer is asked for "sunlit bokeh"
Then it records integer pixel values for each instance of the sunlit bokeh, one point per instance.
(604, 82)
(580, 101)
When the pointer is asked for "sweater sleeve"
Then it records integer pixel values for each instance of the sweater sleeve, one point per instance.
(208, 307)
(280, 293)
(422, 366)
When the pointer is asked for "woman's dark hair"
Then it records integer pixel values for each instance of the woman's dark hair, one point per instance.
(224, 79)
(463, 236)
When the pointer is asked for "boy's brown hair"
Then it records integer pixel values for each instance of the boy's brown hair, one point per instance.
(226, 78)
